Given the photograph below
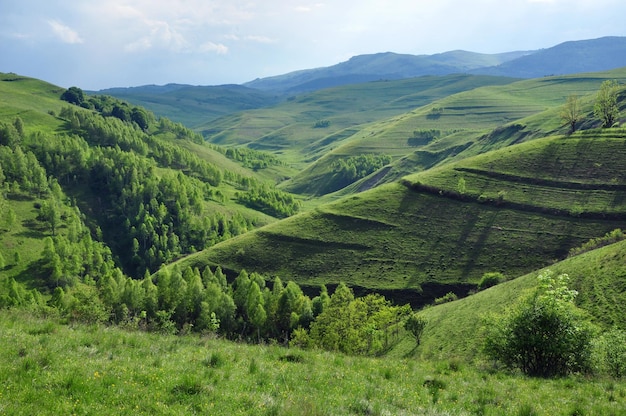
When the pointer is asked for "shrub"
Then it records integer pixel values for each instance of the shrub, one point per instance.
(543, 336)
(609, 238)
(611, 353)
(321, 124)
(490, 279)
(448, 297)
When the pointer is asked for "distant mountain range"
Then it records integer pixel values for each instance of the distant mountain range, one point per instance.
(566, 58)
(193, 105)
(375, 67)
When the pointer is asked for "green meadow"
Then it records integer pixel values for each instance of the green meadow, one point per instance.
(51, 368)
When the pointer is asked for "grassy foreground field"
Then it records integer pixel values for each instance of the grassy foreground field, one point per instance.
(48, 368)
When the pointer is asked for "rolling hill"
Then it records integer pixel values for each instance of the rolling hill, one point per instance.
(422, 237)
(462, 122)
(195, 105)
(103, 179)
(290, 129)
(94, 203)
(379, 66)
(567, 58)
(571, 57)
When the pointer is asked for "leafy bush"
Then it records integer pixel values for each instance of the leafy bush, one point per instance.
(490, 279)
(448, 297)
(611, 353)
(544, 335)
(321, 124)
(609, 238)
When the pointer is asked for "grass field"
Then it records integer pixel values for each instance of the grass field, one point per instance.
(48, 368)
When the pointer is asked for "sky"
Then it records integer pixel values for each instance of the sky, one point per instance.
(97, 44)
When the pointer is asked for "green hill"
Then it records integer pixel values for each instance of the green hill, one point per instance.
(598, 276)
(193, 105)
(454, 127)
(423, 237)
(291, 129)
(112, 217)
(145, 195)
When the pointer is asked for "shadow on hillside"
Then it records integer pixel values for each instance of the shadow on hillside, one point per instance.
(19, 197)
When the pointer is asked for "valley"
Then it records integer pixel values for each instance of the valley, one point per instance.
(259, 249)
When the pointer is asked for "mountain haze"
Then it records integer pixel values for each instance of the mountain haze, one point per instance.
(566, 58)
(380, 66)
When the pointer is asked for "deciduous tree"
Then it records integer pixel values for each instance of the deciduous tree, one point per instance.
(605, 107)
(571, 112)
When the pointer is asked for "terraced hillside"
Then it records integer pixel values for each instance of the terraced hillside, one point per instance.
(463, 124)
(289, 129)
(424, 236)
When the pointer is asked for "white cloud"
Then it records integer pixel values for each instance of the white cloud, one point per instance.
(218, 48)
(132, 42)
(260, 39)
(65, 33)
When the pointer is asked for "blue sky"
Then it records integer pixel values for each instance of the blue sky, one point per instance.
(98, 44)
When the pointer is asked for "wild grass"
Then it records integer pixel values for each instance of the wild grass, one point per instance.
(48, 368)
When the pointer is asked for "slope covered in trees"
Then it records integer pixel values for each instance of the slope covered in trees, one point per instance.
(124, 173)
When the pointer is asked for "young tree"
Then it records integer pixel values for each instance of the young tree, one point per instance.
(605, 107)
(415, 324)
(255, 309)
(571, 112)
(50, 213)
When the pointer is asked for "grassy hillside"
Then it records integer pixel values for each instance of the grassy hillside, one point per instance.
(289, 129)
(49, 369)
(114, 180)
(193, 105)
(31, 100)
(422, 236)
(598, 276)
(465, 124)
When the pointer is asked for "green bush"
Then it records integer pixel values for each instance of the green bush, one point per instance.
(490, 279)
(544, 335)
(611, 353)
(448, 297)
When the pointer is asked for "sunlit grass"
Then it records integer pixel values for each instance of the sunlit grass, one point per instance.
(48, 368)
